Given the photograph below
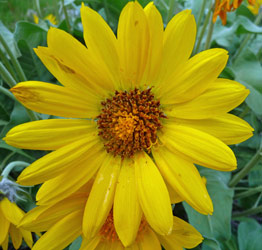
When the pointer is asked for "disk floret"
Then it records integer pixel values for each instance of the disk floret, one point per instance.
(129, 122)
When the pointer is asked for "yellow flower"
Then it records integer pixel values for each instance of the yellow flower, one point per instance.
(10, 217)
(56, 218)
(154, 113)
(254, 8)
(50, 17)
(224, 6)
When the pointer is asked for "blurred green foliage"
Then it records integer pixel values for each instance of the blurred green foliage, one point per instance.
(221, 230)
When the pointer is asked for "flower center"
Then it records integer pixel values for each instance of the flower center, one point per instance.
(108, 232)
(129, 122)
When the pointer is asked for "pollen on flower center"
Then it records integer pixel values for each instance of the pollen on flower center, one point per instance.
(129, 122)
(108, 231)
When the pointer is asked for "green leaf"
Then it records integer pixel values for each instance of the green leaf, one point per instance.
(218, 225)
(29, 36)
(248, 69)
(255, 175)
(3, 145)
(76, 244)
(210, 244)
(32, 33)
(249, 235)
(4, 116)
(9, 38)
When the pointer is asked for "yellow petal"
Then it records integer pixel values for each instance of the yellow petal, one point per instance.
(11, 211)
(155, 46)
(76, 56)
(183, 236)
(127, 226)
(48, 134)
(27, 237)
(153, 195)
(5, 243)
(100, 41)
(69, 77)
(179, 38)
(174, 196)
(184, 178)
(61, 234)
(16, 236)
(199, 147)
(56, 162)
(55, 100)
(4, 226)
(88, 244)
(222, 96)
(227, 127)
(133, 39)
(64, 185)
(195, 77)
(149, 241)
(109, 245)
(101, 196)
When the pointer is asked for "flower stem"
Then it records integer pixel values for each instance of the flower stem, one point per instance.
(7, 76)
(12, 165)
(172, 4)
(244, 171)
(8, 65)
(66, 16)
(248, 212)
(246, 39)
(248, 192)
(38, 9)
(210, 33)
(14, 60)
(7, 93)
(199, 40)
(201, 13)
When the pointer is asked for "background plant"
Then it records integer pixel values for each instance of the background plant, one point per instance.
(236, 222)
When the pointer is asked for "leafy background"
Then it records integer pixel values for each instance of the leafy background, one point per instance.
(236, 222)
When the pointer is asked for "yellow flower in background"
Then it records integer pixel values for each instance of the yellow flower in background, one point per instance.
(146, 113)
(254, 8)
(10, 217)
(56, 218)
(224, 6)
(51, 18)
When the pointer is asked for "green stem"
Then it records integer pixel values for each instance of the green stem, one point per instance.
(171, 9)
(32, 115)
(257, 201)
(66, 16)
(12, 165)
(248, 212)
(201, 13)
(210, 33)
(244, 171)
(7, 92)
(202, 31)
(7, 76)
(17, 66)
(5, 160)
(38, 9)
(244, 112)
(248, 192)
(7, 65)
(246, 39)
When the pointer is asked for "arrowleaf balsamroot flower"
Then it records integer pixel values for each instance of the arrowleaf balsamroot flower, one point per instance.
(154, 113)
(224, 6)
(55, 218)
(10, 217)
